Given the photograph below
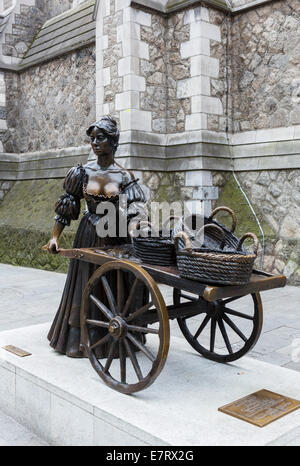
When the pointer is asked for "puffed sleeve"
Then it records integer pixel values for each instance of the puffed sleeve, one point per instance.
(134, 192)
(67, 207)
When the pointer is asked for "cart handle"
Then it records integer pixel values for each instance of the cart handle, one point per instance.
(255, 240)
(187, 241)
(226, 209)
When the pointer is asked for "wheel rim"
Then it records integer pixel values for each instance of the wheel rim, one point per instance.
(125, 327)
(222, 332)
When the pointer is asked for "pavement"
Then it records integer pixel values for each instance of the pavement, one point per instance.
(31, 296)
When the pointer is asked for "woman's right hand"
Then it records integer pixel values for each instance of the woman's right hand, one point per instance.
(52, 246)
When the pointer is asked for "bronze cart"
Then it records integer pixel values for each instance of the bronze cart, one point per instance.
(133, 371)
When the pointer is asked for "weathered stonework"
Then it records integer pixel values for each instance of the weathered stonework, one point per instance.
(27, 22)
(62, 94)
(275, 197)
(265, 52)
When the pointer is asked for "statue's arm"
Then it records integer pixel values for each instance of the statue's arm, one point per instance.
(67, 207)
(53, 244)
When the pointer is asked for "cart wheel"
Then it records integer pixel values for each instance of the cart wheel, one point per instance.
(130, 365)
(224, 330)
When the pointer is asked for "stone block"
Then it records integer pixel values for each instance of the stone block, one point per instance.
(135, 120)
(198, 85)
(7, 388)
(134, 83)
(198, 178)
(121, 4)
(77, 428)
(204, 29)
(128, 31)
(199, 46)
(196, 121)
(207, 193)
(128, 65)
(137, 16)
(127, 100)
(206, 104)
(203, 65)
(136, 48)
(3, 125)
(106, 76)
(33, 406)
(196, 14)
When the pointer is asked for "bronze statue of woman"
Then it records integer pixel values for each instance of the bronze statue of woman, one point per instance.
(98, 181)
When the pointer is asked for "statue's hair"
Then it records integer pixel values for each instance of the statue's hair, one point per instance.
(109, 126)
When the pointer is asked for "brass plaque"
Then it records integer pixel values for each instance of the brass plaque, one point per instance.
(17, 351)
(261, 408)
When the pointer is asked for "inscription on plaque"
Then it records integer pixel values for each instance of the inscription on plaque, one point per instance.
(261, 408)
(17, 351)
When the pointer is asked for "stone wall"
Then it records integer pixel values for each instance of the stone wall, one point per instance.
(52, 104)
(27, 22)
(163, 75)
(275, 197)
(266, 66)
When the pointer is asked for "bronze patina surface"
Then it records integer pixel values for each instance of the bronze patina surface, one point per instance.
(17, 351)
(261, 408)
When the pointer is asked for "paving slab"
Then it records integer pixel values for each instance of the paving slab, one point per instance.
(63, 400)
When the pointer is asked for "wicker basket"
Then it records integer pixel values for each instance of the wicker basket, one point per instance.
(214, 238)
(154, 250)
(217, 266)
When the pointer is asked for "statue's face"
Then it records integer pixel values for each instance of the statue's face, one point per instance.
(100, 142)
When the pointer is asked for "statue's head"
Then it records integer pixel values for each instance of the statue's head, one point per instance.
(104, 131)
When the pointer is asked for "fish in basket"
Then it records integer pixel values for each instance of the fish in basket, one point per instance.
(215, 266)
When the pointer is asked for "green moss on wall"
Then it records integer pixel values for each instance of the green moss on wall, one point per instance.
(26, 222)
(231, 196)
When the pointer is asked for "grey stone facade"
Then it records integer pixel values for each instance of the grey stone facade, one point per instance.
(62, 94)
(266, 66)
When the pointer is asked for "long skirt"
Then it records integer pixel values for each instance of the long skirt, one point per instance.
(65, 334)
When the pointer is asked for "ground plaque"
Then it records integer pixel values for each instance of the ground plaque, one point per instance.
(17, 351)
(261, 408)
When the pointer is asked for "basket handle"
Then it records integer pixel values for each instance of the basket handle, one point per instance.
(186, 239)
(216, 227)
(226, 209)
(255, 240)
(133, 227)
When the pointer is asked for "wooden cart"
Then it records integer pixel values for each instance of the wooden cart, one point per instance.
(204, 313)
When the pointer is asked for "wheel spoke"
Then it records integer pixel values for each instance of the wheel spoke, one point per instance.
(190, 298)
(110, 356)
(202, 326)
(134, 328)
(141, 347)
(225, 336)
(234, 328)
(109, 294)
(97, 323)
(139, 312)
(213, 325)
(129, 299)
(101, 342)
(120, 292)
(238, 314)
(102, 307)
(122, 362)
(229, 300)
(134, 360)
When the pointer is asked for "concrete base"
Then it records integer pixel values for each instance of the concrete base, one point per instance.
(64, 402)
